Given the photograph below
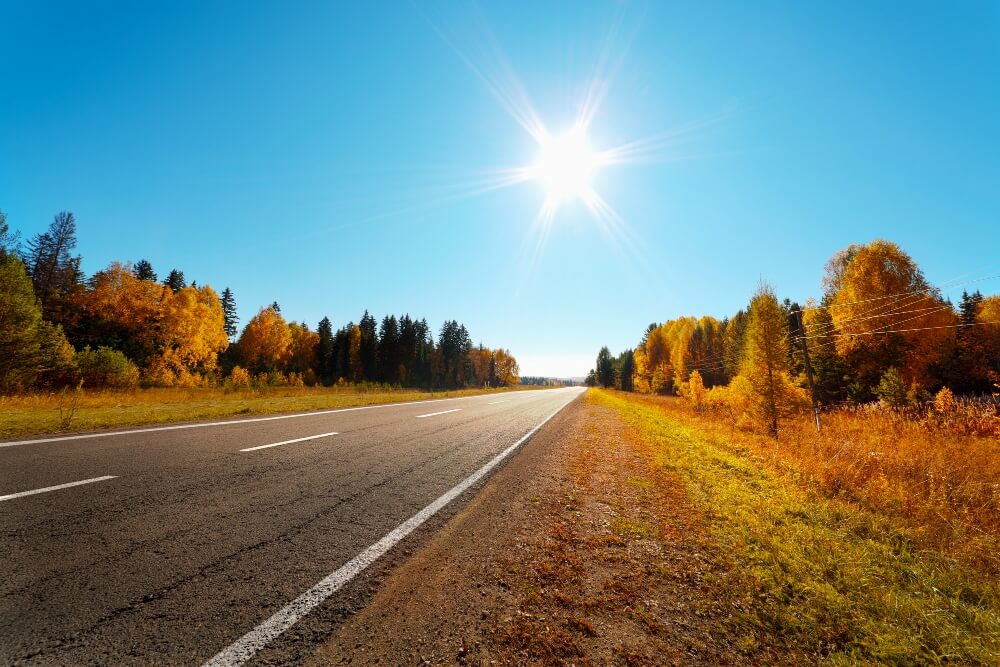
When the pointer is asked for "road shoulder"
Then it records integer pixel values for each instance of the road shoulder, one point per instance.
(578, 551)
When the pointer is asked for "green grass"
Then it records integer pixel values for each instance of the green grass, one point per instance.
(817, 574)
(68, 411)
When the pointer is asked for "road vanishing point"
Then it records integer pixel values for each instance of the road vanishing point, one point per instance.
(217, 543)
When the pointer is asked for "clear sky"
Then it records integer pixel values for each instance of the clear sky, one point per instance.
(330, 156)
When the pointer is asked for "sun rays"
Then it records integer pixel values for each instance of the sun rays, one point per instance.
(568, 160)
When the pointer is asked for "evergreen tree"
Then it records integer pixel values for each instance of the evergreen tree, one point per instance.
(55, 272)
(624, 370)
(228, 302)
(389, 350)
(325, 351)
(9, 240)
(605, 368)
(175, 281)
(369, 347)
(143, 270)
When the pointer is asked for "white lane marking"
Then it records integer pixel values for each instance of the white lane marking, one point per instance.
(246, 646)
(11, 496)
(288, 442)
(230, 422)
(435, 414)
(495, 402)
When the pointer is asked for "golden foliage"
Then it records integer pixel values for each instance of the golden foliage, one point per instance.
(302, 349)
(880, 289)
(944, 401)
(265, 343)
(238, 377)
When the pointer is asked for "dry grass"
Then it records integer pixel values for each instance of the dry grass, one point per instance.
(34, 414)
(937, 475)
(821, 571)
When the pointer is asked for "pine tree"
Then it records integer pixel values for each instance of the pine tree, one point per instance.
(229, 312)
(9, 241)
(368, 350)
(389, 350)
(175, 281)
(143, 270)
(605, 368)
(324, 351)
(55, 272)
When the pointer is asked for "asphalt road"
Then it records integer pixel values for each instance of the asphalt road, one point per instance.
(191, 538)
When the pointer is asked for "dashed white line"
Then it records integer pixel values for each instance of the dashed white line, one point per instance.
(231, 422)
(495, 402)
(21, 494)
(435, 414)
(247, 646)
(288, 442)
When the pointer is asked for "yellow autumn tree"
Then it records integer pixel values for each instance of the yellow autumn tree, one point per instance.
(192, 334)
(302, 349)
(121, 308)
(265, 343)
(885, 314)
(505, 368)
(355, 364)
(764, 368)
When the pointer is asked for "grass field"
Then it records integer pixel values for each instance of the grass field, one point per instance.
(810, 572)
(69, 411)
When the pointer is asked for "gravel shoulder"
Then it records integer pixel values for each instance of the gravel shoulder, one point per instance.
(579, 551)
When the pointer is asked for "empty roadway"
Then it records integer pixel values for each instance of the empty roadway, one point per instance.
(188, 538)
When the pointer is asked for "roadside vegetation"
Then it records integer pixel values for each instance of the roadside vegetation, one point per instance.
(807, 567)
(64, 336)
(72, 410)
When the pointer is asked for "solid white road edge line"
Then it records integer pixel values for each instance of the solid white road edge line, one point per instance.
(288, 442)
(435, 414)
(176, 427)
(11, 496)
(246, 646)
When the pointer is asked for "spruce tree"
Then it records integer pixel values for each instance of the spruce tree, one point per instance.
(54, 271)
(143, 270)
(228, 302)
(175, 280)
(325, 351)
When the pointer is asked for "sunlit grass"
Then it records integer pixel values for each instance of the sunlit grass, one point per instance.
(39, 413)
(827, 575)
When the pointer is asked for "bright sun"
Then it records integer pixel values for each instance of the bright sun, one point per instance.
(566, 165)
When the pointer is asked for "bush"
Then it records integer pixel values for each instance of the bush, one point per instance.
(239, 377)
(106, 368)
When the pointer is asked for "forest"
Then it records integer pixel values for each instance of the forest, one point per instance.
(123, 327)
(880, 332)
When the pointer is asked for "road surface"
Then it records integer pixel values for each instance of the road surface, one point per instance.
(230, 541)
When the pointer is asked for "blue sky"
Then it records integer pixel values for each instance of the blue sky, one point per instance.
(324, 155)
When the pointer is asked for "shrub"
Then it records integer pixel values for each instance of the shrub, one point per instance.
(106, 368)
(239, 377)
(944, 401)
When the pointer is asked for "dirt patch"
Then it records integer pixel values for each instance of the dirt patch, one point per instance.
(580, 551)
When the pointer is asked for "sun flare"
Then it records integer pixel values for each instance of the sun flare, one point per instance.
(566, 165)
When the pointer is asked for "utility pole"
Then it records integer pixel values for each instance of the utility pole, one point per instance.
(809, 370)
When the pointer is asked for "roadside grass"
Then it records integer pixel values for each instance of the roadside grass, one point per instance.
(820, 576)
(69, 411)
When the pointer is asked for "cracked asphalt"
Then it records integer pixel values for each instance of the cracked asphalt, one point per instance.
(194, 543)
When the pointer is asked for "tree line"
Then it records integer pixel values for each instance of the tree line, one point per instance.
(123, 326)
(880, 331)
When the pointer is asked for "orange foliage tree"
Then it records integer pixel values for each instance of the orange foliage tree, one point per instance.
(265, 343)
(885, 314)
